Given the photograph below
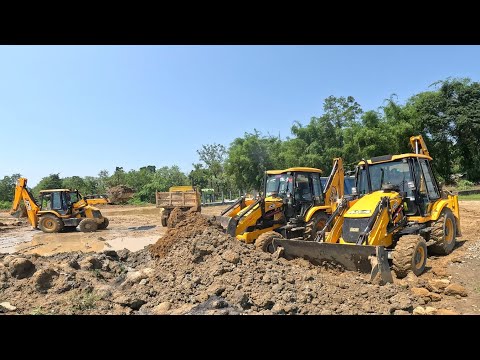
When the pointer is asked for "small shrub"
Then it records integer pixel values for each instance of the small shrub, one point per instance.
(465, 185)
(84, 301)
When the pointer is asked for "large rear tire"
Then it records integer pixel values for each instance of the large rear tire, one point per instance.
(104, 225)
(316, 224)
(264, 241)
(165, 215)
(410, 254)
(88, 225)
(50, 224)
(444, 233)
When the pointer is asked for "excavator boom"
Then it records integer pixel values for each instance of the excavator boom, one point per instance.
(22, 193)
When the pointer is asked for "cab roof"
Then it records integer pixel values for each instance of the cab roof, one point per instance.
(54, 190)
(387, 158)
(296, 169)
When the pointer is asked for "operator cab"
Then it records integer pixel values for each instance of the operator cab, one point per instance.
(59, 200)
(409, 174)
(299, 188)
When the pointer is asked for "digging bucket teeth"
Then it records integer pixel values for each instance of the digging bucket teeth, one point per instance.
(361, 258)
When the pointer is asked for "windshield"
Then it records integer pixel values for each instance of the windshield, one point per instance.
(74, 196)
(394, 172)
(278, 185)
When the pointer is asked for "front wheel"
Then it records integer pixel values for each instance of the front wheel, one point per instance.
(409, 254)
(88, 225)
(104, 225)
(265, 241)
(316, 224)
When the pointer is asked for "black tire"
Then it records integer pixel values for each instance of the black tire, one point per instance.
(88, 225)
(316, 223)
(104, 225)
(444, 232)
(264, 241)
(50, 224)
(409, 254)
(165, 216)
(164, 221)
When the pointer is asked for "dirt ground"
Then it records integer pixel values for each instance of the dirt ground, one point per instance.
(196, 269)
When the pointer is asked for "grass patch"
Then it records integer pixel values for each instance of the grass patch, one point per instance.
(469, 197)
(84, 301)
(38, 311)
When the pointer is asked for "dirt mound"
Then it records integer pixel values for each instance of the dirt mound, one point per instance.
(197, 269)
(120, 193)
(182, 225)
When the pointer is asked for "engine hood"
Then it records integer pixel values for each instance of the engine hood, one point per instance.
(365, 206)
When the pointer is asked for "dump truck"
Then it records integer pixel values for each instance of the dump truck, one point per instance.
(182, 197)
(396, 212)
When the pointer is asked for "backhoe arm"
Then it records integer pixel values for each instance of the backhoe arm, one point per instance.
(21, 192)
(335, 185)
(418, 145)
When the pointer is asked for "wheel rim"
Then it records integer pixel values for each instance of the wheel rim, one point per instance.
(448, 230)
(49, 224)
(419, 258)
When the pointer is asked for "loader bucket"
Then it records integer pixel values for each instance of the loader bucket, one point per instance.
(361, 258)
(228, 223)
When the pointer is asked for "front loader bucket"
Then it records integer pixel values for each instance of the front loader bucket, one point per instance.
(361, 258)
(228, 223)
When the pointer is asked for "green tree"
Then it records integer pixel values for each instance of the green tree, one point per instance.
(249, 157)
(7, 187)
(52, 181)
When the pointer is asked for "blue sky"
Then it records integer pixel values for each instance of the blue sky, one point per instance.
(76, 110)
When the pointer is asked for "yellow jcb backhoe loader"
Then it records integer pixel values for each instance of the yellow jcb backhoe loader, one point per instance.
(396, 212)
(294, 205)
(59, 208)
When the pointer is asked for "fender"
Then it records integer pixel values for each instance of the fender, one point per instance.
(324, 208)
(452, 203)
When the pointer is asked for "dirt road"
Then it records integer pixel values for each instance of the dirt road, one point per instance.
(131, 227)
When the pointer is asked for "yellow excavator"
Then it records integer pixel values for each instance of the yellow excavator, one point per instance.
(396, 212)
(58, 209)
(294, 205)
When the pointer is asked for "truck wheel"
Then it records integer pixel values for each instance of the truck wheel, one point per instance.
(88, 225)
(443, 232)
(51, 224)
(264, 241)
(104, 225)
(410, 254)
(316, 224)
(164, 221)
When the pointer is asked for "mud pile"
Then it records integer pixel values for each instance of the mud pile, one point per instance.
(120, 193)
(182, 225)
(194, 269)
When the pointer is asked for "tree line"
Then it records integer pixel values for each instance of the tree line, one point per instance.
(447, 115)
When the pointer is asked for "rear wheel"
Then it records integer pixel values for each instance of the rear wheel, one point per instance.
(443, 232)
(104, 225)
(316, 224)
(410, 254)
(51, 224)
(165, 216)
(264, 241)
(88, 225)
